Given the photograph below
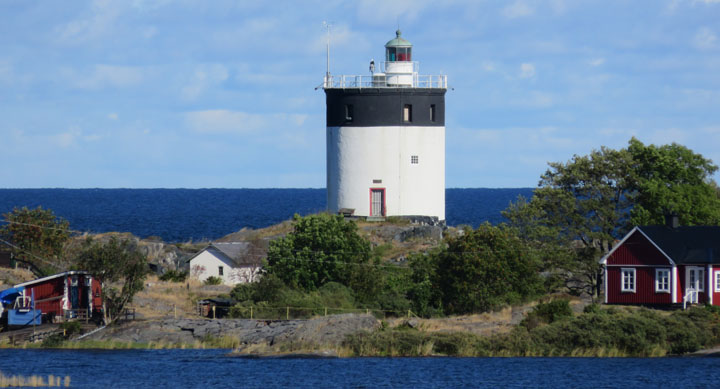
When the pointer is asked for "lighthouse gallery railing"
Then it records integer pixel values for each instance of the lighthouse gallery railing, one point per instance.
(380, 81)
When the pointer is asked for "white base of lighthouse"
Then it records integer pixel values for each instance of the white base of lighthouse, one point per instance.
(387, 170)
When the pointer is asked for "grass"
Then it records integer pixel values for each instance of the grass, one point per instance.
(33, 381)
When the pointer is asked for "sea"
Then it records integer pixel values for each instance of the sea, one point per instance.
(216, 369)
(181, 215)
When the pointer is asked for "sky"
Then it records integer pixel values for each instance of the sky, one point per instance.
(222, 94)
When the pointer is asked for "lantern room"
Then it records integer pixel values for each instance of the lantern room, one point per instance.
(398, 49)
(400, 70)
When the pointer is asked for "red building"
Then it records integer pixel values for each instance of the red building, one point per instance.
(663, 265)
(72, 293)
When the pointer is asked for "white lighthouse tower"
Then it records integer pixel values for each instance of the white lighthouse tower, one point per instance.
(386, 139)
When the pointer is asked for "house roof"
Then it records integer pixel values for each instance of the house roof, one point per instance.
(239, 253)
(685, 245)
(39, 280)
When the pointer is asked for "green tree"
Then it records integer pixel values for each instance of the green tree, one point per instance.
(582, 206)
(673, 179)
(322, 248)
(484, 269)
(37, 238)
(119, 267)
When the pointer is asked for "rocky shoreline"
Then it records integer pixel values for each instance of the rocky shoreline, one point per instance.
(327, 331)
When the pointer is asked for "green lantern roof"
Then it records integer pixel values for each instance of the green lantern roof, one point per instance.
(398, 41)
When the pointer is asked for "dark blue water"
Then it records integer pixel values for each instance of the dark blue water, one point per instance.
(183, 214)
(211, 368)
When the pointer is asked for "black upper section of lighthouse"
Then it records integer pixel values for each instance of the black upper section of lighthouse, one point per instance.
(375, 107)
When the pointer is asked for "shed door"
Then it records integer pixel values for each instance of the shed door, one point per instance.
(377, 202)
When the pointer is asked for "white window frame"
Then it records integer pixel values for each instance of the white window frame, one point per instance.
(700, 272)
(630, 271)
(717, 281)
(664, 275)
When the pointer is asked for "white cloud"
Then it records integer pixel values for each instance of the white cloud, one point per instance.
(205, 76)
(380, 12)
(527, 70)
(99, 22)
(102, 76)
(517, 10)
(705, 39)
(596, 62)
(220, 121)
(112, 116)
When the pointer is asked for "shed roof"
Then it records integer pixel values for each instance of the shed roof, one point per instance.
(39, 280)
(685, 245)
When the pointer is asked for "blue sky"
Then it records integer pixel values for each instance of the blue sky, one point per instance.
(193, 94)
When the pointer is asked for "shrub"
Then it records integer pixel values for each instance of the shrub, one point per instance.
(174, 276)
(212, 280)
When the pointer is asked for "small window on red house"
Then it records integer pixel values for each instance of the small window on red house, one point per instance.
(628, 280)
(662, 280)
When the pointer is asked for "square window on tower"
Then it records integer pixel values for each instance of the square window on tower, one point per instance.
(414, 159)
(407, 113)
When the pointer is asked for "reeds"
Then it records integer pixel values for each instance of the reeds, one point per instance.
(33, 381)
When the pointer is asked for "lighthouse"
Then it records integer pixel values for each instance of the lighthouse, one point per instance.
(386, 138)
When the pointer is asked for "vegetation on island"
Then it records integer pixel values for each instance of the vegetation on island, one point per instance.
(549, 245)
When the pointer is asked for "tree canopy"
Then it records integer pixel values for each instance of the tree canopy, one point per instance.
(119, 267)
(484, 269)
(37, 237)
(582, 206)
(321, 248)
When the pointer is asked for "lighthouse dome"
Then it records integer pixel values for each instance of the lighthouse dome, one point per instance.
(398, 41)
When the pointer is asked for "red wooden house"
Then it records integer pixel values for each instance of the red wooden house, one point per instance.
(68, 294)
(664, 265)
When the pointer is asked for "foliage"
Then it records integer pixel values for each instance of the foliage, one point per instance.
(322, 248)
(213, 280)
(601, 332)
(673, 179)
(71, 327)
(549, 312)
(39, 237)
(425, 297)
(581, 207)
(114, 264)
(485, 269)
(270, 299)
(174, 276)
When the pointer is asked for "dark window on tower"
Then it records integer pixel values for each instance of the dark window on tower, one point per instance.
(414, 159)
(407, 113)
(432, 112)
(220, 270)
(349, 112)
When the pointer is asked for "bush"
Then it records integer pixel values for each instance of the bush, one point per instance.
(548, 312)
(174, 276)
(212, 280)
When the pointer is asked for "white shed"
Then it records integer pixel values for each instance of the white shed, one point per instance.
(234, 262)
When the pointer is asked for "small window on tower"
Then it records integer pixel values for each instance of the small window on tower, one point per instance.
(432, 112)
(407, 113)
(414, 159)
(220, 270)
(349, 112)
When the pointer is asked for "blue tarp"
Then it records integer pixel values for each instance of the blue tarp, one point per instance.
(8, 296)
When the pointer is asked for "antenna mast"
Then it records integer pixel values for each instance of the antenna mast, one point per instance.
(327, 26)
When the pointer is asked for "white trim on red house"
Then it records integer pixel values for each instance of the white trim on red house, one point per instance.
(673, 285)
(633, 285)
(603, 260)
(658, 277)
(709, 288)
